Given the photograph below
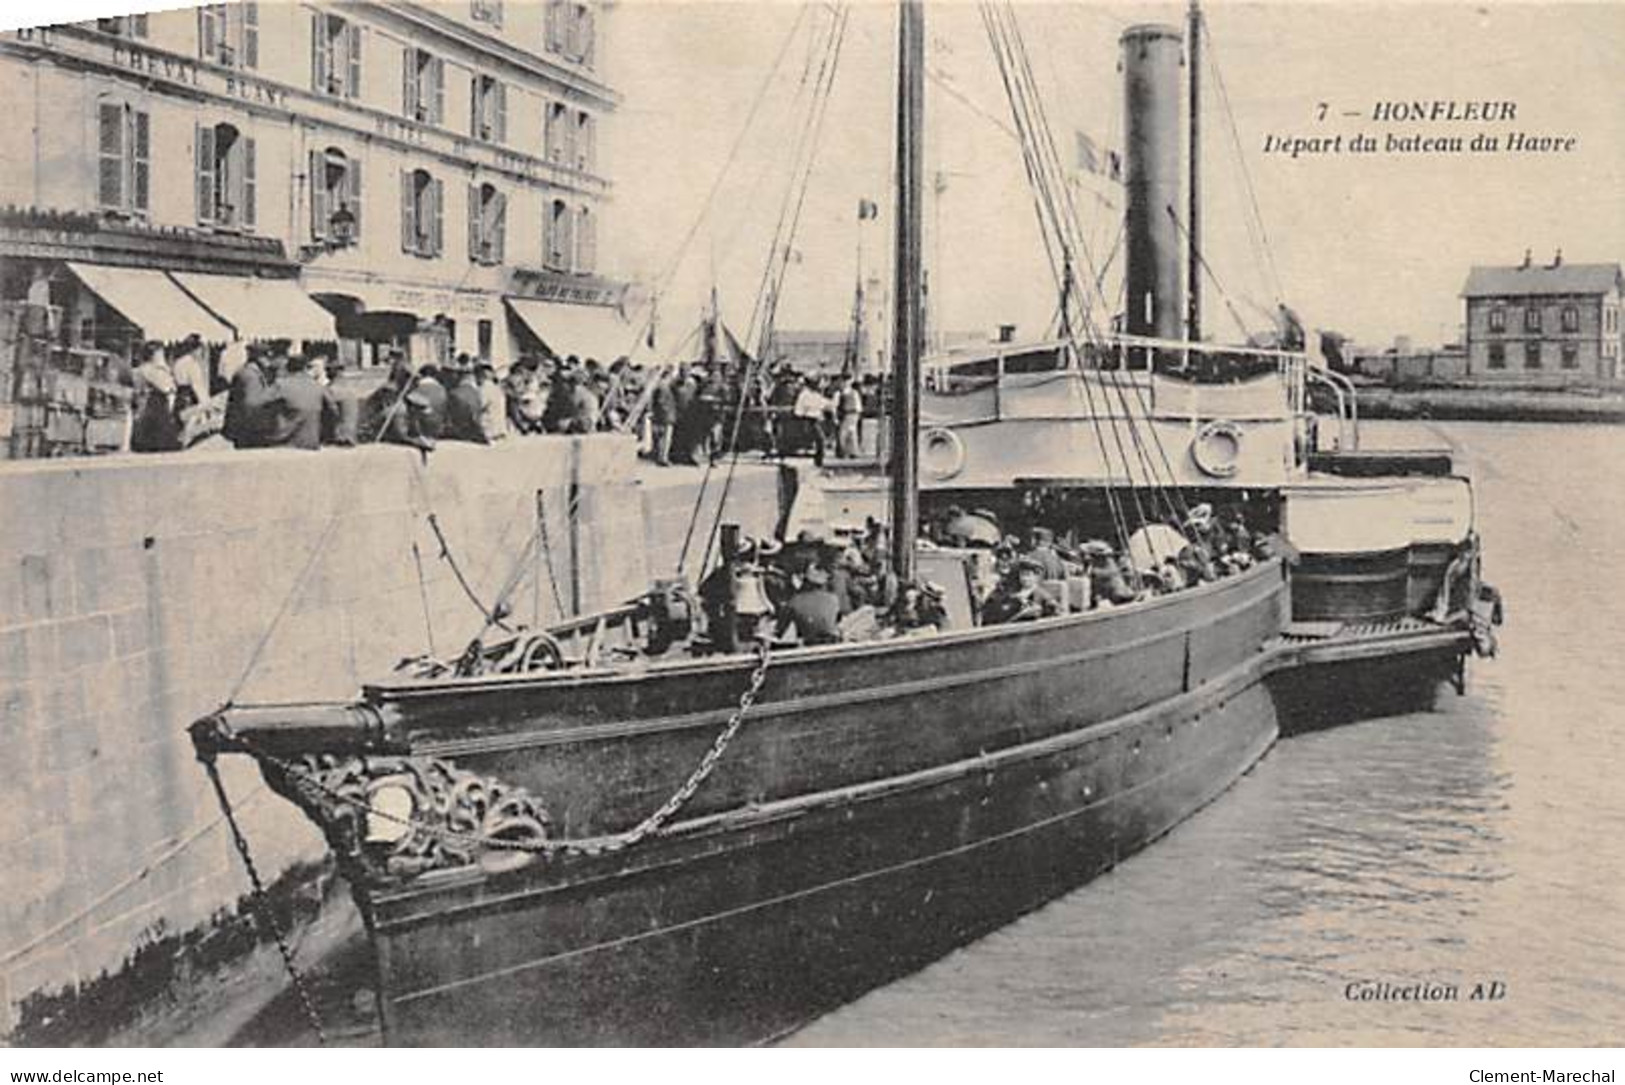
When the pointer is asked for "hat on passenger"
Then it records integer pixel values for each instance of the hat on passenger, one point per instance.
(816, 574)
(1200, 516)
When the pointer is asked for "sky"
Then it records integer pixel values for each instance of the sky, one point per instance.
(1374, 245)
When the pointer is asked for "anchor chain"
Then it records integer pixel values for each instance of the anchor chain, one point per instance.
(262, 903)
(585, 846)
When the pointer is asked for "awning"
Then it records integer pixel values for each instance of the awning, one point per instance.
(260, 308)
(587, 331)
(152, 302)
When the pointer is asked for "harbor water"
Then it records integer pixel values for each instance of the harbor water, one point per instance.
(1361, 885)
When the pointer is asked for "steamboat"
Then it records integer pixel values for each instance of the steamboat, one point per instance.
(620, 831)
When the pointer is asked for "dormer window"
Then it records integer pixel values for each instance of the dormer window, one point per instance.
(124, 26)
(486, 11)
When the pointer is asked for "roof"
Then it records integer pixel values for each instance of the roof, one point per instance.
(1484, 282)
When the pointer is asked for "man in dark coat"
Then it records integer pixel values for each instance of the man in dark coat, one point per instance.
(1022, 599)
(427, 401)
(464, 405)
(247, 417)
(294, 415)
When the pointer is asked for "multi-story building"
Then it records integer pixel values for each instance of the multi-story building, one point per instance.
(427, 172)
(1554, 324)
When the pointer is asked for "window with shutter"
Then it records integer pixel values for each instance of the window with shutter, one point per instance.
(552, 30)
(410, 101)
(588, 37)
(203, 143)
(584, 141)
(352, 198)
(251, 33)
(476, 232)
(435, 215)
(110, 156)
(475, 102)
(352, 56)
(437, 112)
(586, 242)
(321, 54)
(550, 135)
(500, 121)
(140, 161)
(319, 213)
(409, 212)
(499, 228)
(249, 188)
(567, 240)
(208, 31)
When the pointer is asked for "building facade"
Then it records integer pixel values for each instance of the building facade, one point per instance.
(1555, 324)
(422, 171)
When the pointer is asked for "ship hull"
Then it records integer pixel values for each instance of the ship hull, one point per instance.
(748, 919)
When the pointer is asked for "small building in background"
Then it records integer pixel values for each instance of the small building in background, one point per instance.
(1558, 324)
(1404, 363)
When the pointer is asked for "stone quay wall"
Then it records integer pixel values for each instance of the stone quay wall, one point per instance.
(136, 591)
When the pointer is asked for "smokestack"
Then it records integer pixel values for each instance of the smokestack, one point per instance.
(1152, 88)
(1528, 257)
(1557, 260)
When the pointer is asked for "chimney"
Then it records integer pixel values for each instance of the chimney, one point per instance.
(1007, 333)
(1557, 260)
(1528, 255)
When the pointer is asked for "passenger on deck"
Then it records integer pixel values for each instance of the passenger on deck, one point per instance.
(814, 609)
(246, 422)
(918, 606)
(1108, 583)
(464, 404)
(1042, 550)
(1022, 599)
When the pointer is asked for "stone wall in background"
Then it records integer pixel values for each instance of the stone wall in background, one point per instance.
(136, 591)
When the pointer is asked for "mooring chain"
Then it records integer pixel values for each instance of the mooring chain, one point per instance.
(588, 846)
(262, 904)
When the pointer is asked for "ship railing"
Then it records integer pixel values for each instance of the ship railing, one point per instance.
(1348, 405)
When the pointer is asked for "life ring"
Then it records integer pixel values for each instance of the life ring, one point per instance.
(1216, 449)
(942, 454)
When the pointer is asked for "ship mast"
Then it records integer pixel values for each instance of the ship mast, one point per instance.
(1193, 216)
(907, 332)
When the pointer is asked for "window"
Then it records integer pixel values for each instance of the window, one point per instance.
(586, 141)
(586, 242)
(1531, 318)
(125, 26)
(1571, 318)
(123, 173)
(423, 90)
(559, 138)
(225, 177)
(486, 11)
(487, 224)
(1531, 355)
(1571, 356)
(335, 56)
(488, 110)
(422, 204)
(571, 31)
(1498, 319)
(1498, 356)
(335, 197)
(229, 34)
(558, 242)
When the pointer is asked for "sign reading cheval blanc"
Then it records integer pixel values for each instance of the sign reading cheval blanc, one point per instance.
(156, 63)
